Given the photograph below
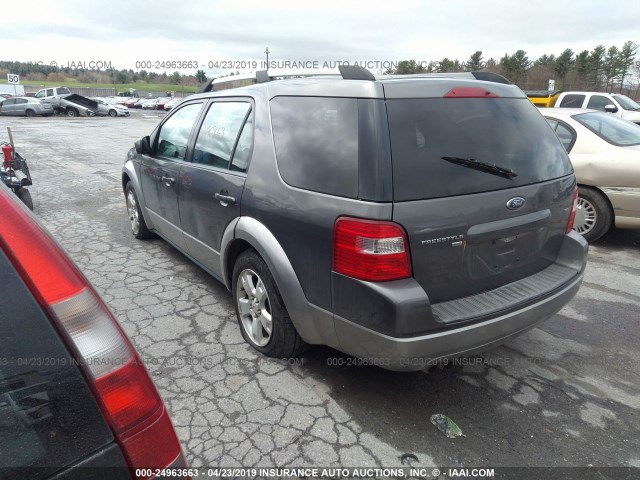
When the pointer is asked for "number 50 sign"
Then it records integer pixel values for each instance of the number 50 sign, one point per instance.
(13, 79)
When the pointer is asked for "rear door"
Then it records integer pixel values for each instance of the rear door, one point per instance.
(21, 106)
(213, 181)
(160, 171)
(470, 230)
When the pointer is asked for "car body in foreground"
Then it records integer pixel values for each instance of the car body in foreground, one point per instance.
(402, 220)
(605, 153)
(106, 107)
(25, 107)
(76, 400)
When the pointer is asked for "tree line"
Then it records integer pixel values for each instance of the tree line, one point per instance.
(47, 73)
(601, 69)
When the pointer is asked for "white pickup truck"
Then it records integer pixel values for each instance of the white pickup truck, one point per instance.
(617, 104)
(71, 104)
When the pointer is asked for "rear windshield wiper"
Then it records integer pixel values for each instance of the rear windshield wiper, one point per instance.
(482, 166)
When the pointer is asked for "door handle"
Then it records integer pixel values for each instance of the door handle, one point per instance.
(225, 200)
(168, 181)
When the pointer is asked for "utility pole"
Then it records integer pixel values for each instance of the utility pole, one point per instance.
(267, 53)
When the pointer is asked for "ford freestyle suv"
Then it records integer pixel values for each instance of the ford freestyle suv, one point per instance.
(401, 220)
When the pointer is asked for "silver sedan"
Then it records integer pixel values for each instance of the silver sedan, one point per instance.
(25, 106)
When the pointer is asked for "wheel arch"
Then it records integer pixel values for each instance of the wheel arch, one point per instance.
(604, 195)
(313, 324)
(129, 175)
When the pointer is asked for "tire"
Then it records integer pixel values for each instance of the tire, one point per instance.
(71, 112)
(594, 216)
(138, 225)
(257, 312)
(25, 196)
(29, 113)
(113, 113)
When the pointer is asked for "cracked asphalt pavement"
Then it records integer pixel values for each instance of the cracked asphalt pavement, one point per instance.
(564, 394)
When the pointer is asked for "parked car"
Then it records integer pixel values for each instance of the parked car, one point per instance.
(139, 102)
(172, 103)
(617, 104)
(401, 220)
(75, 395)
(605, 152)
(131, 102)
(25, 106)
(150, 104)
(110, 108)
(6, 95)
(162, 101)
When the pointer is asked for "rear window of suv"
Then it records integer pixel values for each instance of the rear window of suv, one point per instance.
(506, 132)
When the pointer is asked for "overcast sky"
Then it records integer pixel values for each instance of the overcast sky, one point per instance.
(124, 31)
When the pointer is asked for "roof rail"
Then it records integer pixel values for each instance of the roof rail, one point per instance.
(347, 72)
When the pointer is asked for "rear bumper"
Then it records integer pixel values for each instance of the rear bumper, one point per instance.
(419, 352)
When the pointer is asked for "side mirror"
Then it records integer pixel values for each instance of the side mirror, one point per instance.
(611, 108)
(143, 146)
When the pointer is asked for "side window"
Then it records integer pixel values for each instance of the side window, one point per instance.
(552, 123)
(41, 94)
(219, 132)
(21, 100)
(316, 140)
(10, 101)
(49, 92)
(566, 135)
(243, 149)
(598, 102)
(174, 133)
(572, 101)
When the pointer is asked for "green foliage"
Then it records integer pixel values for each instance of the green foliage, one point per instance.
(475, 62)
(201, 77)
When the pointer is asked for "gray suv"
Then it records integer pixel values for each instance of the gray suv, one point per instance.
(401, 220)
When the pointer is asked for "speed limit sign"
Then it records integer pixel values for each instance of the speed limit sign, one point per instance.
(13, 79)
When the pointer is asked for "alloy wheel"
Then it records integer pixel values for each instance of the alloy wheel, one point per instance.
(254, 307)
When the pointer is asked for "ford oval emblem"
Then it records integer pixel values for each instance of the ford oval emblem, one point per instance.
(515, 203)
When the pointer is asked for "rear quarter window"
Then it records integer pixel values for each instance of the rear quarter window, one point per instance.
(316, 141)
(509, 133)
(572, 101)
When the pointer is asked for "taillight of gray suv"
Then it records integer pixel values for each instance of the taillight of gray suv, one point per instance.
(398, 219)
(75, 399)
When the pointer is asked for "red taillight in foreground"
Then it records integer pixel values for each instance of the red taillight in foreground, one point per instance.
(574, 208)
(119, 380)
(370, 250)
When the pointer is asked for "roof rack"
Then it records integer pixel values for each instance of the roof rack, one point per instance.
(347, 72)
(351, 72)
